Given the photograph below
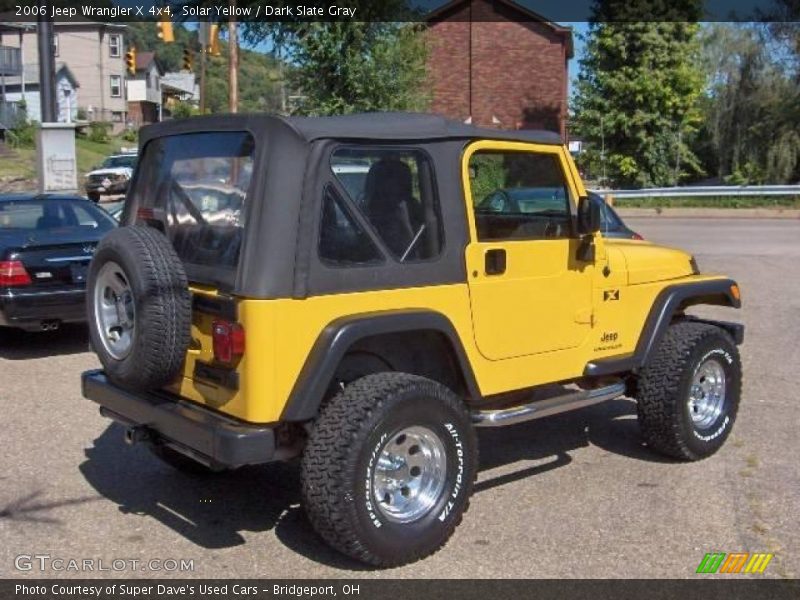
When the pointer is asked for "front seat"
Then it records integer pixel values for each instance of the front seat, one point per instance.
(388, 197)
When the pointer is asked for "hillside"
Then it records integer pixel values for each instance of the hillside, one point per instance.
(259, 80)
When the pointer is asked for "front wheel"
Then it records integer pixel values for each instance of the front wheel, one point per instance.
(388, 469)
(688, 393)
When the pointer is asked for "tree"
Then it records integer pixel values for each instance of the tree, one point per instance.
(351, 66)
(345, 66)
(752, 106)
(638, 89)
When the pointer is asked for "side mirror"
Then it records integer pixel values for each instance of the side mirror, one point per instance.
(588, 216)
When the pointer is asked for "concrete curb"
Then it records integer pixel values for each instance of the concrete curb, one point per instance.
(711, 213)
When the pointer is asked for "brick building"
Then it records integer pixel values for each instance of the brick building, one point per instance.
(497, 64)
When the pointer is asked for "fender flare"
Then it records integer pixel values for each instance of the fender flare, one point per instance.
(339, 336)
(666, 304)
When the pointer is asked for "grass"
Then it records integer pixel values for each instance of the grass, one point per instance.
(711, 202)
(90, 154)
(18, 164)
(18, 167)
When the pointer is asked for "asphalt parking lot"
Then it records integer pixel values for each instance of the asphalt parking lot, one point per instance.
(575, 495)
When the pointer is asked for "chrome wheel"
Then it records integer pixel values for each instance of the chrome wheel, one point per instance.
(707, 393)
(114, 310)
(409, 475)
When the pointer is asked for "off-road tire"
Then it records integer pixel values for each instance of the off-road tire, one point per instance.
(162, 307)
(181, 462)
(664, 385)
(345, 441)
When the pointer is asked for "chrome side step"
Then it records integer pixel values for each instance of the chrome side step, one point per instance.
(545, 408)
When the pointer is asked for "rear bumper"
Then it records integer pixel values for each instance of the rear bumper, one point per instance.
(28, 309)
(202, 434)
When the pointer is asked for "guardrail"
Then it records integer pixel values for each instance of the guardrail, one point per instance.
(708, 190)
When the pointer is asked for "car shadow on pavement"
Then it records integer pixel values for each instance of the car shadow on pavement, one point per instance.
(610, 426)
(213, 511)
(16, 344)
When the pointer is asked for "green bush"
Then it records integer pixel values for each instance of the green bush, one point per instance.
(130, 135)
(23, 135)
(98, 132)
(182, 110)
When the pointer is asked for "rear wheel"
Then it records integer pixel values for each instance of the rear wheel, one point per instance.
(389, 468)
(688, 393)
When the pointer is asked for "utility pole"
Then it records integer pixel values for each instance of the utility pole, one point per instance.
(233, 61)
(55, 142)
(47, 69)
(678, 159)
(603, 150)
(202, 31)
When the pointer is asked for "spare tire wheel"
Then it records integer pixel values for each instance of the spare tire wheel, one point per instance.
(139, 308)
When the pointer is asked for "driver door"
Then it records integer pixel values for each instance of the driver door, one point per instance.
(528, 293)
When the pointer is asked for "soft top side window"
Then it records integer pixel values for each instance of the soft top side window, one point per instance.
(342, 241)
(394, 190)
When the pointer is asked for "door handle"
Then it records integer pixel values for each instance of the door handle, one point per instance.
(495, 261)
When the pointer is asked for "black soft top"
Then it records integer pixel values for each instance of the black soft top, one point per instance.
(361, 126)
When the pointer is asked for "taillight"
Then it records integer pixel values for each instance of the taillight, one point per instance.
(228, 341)
(13, 273)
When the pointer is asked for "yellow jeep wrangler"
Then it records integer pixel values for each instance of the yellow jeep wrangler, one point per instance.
(364, 291)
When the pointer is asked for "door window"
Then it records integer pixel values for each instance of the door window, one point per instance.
(519, 196)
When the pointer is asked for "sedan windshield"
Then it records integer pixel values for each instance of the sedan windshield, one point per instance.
(114, 162)
(52, 214)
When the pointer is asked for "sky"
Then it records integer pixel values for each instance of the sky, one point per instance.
(578, 29)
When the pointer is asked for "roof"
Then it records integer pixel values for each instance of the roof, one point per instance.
(525, 13)
(19, 196)
(399, 125)
(360, 126)
(144, 59)
(181, 81)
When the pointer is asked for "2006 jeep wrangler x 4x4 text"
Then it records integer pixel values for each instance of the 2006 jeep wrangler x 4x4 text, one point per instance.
(363, 291)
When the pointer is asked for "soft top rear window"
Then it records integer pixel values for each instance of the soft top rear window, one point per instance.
(195, 187)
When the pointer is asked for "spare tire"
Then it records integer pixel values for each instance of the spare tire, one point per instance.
(139, 308)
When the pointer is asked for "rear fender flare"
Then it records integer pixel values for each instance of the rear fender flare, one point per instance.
(339, 336)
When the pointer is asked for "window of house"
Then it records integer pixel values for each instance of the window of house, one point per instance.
(519, 196)
(342, 241)
(116, 86)
(55, 44)
(395, 191)
(114, 45)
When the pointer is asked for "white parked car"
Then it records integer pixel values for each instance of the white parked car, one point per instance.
(111, 178)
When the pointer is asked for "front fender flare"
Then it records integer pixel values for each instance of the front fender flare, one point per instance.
(669, 301)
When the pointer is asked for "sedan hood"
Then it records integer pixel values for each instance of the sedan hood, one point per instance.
(648, 262)
(111, 171)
